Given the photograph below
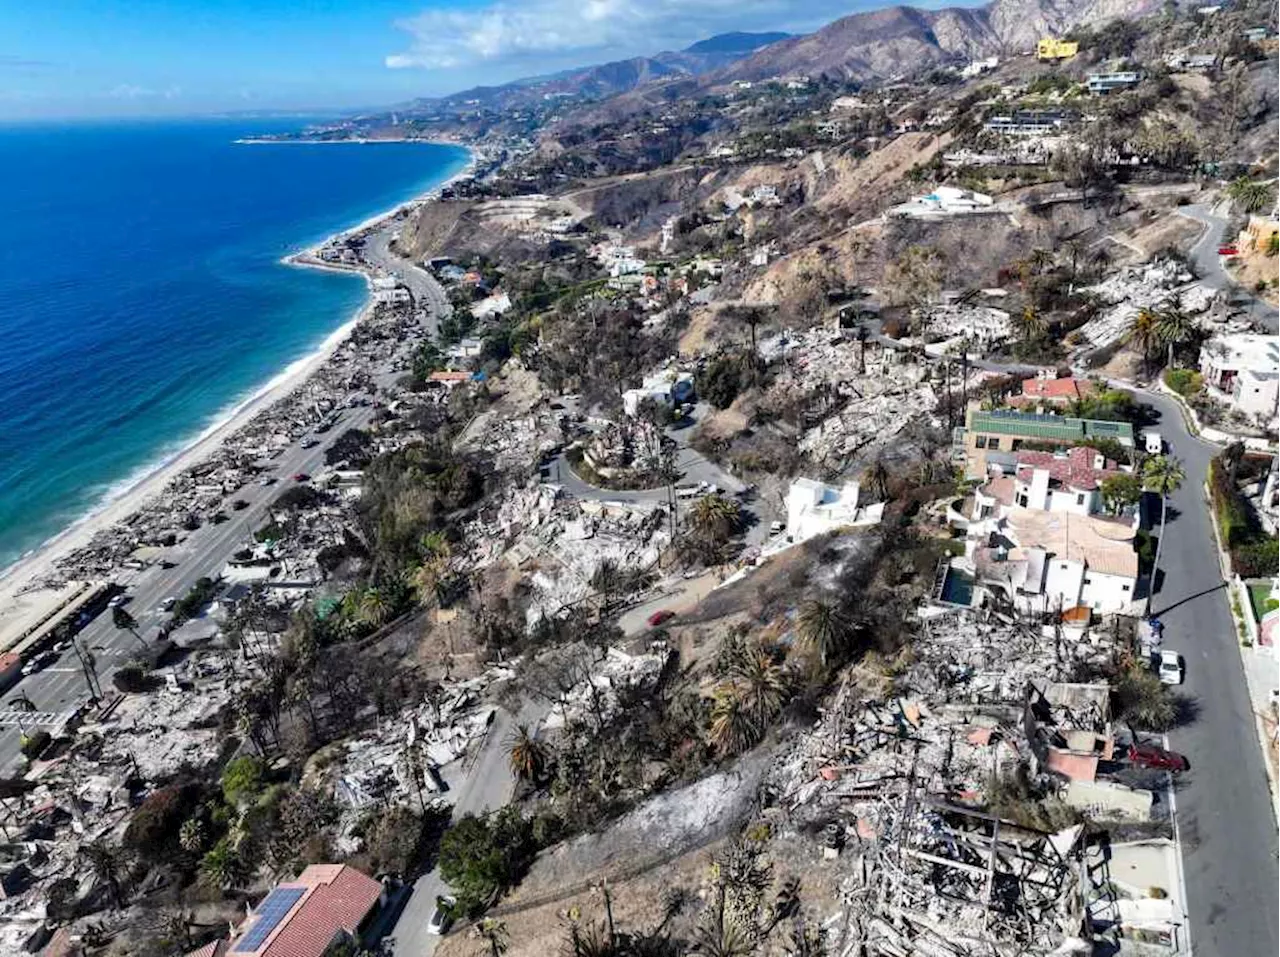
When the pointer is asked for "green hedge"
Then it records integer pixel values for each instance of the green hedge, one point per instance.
(1185, 382)
(1236, 521)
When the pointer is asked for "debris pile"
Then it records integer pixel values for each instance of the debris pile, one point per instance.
(1152, 285)
(896, 790)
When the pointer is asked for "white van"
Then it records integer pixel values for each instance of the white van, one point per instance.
(1155, 444)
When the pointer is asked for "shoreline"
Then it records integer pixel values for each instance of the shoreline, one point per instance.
(134, 493)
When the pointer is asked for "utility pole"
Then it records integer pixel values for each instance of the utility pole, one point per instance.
(87, 665)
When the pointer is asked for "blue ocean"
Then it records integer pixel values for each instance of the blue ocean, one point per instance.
(142, 294)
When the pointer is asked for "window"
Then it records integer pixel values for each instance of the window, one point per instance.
(980, 442)
(1080, 499)
(1088, 581)
(1015, 444)
(1124, 587)
(994, 443)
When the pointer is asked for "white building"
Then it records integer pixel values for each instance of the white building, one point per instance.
(1244, 371)
(387, 290)
(1047, 561)
(814, 508)
(1066, 480)
(945, 201)
(493, 305)
(976, 67)
(667, 388)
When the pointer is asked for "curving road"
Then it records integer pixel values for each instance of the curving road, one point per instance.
(1209, 264)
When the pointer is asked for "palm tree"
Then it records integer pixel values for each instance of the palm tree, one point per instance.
(760, 682)
(823, 629)
(1174, 327)
(426, 578)
(106, 863)
(192, 835)
(527, 756)
(223, 867)
(1163, 475)
(1144, 333)
(876, 478)
(1250, 195)
(1040, 260)
(374, 607)
(1029, 325)
(715, 518)
(861, 334)
(126, 622)
(606, 579)
(495, 933)
(733, 728)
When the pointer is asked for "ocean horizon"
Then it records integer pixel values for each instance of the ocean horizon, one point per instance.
(143, 297)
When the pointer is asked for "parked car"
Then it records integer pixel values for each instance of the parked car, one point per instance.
(168, 603)
(302, 477)
(310, 443)
(1150, 756)
(39, 663)
(267, 481)
(1228, 250)
(776, 528)
(239, 505)
(661, 617)
(442, 916)
(1154, 443)
(117, 600)
(1171, 668)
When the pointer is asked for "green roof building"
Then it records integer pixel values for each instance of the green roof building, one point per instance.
(1005, 431)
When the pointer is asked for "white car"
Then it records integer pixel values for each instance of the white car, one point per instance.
(168, 603)
(1171, 668)
(1154, 443)
(442, 916)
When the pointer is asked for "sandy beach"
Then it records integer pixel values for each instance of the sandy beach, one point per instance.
(40, 563)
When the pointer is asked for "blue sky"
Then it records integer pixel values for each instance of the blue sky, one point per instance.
(61, 58)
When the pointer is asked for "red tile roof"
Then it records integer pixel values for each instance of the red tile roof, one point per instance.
(1055, 390)
(336, 898)
(1075, 469)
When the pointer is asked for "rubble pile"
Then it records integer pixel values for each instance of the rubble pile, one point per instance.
(630, 447)
(1152, 285)
(596, 698)
(383, 338)
(893, 787)
(632, 539)
(982, 326)
(392, 763)
(520, 428)
(876, 404)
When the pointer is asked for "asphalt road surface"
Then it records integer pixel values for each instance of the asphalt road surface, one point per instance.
(61, 687)
(1226, 823)
(1209, 264)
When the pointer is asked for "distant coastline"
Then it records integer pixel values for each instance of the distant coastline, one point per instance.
(149, 481)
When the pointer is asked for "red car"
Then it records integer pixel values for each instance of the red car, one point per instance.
(661, 617)
(1227, 251)
(1149, 756)
(302, 477)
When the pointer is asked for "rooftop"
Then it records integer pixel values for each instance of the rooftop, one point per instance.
(1074, 468)
(1054, 428)
(1066, 388)
(1103, 545)
(301, 918)
(1245, 351)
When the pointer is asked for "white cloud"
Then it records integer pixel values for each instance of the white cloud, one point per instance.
(444, 38)
(131, 91)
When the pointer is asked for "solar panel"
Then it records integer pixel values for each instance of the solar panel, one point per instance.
(267, 917)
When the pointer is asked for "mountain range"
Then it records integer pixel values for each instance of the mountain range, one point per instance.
(608, 79)
(878, 43)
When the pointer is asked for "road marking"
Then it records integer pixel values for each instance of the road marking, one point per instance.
(27, 718)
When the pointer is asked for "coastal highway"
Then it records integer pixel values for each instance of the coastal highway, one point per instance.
(421, 284)
(60, 688)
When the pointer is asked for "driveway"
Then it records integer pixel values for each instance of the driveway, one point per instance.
(487, 784)
(1227, 826)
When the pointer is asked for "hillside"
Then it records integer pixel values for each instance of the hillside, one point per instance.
(899, 40)
(607, 79)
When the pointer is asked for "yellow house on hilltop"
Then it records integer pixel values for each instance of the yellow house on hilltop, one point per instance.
(1050, 48)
